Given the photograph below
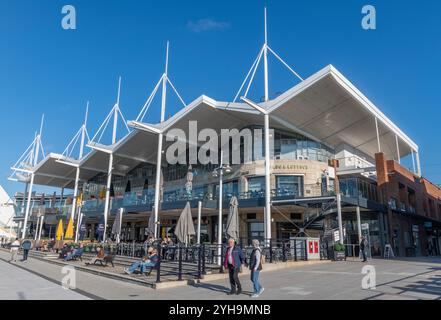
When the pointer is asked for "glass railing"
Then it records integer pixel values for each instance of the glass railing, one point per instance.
(353, 162)
(358, 188)
(20, 210)
(201, 193)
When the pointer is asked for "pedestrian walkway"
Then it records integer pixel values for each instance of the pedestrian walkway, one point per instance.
(414, 279)
(19, 284)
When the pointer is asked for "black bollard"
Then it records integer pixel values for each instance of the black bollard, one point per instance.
(158, 267)
(180, 263)
(295, 250)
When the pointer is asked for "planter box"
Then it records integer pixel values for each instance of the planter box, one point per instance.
(339, 255)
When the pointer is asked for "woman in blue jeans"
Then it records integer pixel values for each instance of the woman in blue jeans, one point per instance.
(256, 267)
(146, 262)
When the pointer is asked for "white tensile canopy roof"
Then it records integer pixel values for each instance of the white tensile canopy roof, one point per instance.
(326, 107)
(6, 208)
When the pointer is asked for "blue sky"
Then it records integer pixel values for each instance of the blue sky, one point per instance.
(45, 69)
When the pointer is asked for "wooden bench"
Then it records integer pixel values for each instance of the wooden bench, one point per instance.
(106, 260)
(149, 270)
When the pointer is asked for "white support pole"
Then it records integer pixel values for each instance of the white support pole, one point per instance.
(36, 152)
(110, 169)
(357, 210)
(265, 60)
(75, 195)
(418, 163)
(158, 183)
(41, 228)
(267, 139)
(107, 203)
(339, 218)
(77, 229)
(220, 226)
(267, 181)
(160, 141)
(28, 207)
(37, 228)
(199, 222)
(77, 175)
(118, 236)
(378, 134)
(398, 149)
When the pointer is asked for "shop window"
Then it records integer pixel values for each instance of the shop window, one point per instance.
(256, 231)
(393, 203)
(256, 184)
(289, 185)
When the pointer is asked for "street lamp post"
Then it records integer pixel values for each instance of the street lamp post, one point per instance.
(219, 172)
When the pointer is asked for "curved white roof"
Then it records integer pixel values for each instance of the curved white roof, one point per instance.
(325, 107)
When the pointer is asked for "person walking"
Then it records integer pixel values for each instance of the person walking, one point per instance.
(233, 262)
(14, 250)
(255, 267)
(363, 248)
(26, 246)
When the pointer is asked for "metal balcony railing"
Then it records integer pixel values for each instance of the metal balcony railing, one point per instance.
(146, 199)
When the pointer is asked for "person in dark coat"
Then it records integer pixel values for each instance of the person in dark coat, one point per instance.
(26, 246)
(233, 261)
(363, 248)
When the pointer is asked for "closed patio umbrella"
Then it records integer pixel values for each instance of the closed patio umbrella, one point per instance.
(185, 227)
(232, 228)
(151, 225)
(116, 228)
(59, 232)
(69, 230)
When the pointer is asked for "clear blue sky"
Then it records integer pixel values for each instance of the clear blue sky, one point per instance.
(45, 69)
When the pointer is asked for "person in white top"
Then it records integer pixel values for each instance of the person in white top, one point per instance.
(14, 250)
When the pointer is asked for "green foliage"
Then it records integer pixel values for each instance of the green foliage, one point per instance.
(339, 247)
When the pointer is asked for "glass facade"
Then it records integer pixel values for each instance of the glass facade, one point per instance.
(293, 146)
(289, 185)
(256, 184)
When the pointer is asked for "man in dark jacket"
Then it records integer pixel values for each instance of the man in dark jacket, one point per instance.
(233, 261)
(363, 248)
(26, 246)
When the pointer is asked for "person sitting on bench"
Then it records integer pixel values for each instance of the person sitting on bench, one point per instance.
(99, 256)
(146, 262)
(75, 254)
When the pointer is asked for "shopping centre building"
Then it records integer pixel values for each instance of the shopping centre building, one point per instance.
(333, 152)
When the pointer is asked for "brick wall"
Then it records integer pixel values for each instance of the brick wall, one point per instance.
(426, 198)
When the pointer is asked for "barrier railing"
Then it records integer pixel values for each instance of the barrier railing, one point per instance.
(196, 260)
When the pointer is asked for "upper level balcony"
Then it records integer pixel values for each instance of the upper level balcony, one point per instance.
(361, 192)
(175, 198)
